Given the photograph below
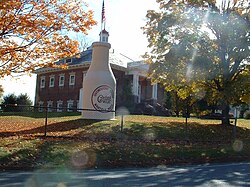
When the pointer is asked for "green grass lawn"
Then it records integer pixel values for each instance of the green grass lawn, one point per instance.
(75, 143)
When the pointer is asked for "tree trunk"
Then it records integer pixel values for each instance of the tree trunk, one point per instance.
(225, 114)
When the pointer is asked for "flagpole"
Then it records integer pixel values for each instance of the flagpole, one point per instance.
(102, 19)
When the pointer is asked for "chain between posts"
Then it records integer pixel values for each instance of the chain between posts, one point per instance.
(46, 109)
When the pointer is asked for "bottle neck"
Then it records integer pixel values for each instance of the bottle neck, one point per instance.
(100, 56)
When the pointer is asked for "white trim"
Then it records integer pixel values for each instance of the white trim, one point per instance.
(70, 104)
(139, 93)
(77, 66)
(59, 106)
(72, 81)
(50, 104)
(42, 82)
(68, 59)
(135, 84)
(60, 81)
(51, 83)
(154, 91)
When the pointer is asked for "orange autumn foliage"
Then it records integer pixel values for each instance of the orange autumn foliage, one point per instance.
(35, 33)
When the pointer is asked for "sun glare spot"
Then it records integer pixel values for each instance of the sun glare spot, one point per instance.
(223, 150)
(149, 135)
(61, 184)
(189, 72)
(162, 167)
(84, 158)
(237, 145)
(200, 94)
(203, 154)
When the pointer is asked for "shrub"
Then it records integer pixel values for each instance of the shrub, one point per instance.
(246, 115)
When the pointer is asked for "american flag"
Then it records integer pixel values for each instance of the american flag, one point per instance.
(103, 12)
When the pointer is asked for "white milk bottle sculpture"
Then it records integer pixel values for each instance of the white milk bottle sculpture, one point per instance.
(99, 85)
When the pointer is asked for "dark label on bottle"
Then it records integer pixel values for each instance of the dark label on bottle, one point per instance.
(103, 98)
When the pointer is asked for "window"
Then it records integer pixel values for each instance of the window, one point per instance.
(40, 106)
(51, 81)
(42, 82)
(61, 80)
(59, 106)
(70, 105)
(72, 79)
(50, 105)
(68, 60)
(105, 39)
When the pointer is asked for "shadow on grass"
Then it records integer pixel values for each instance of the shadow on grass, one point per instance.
(40, 153)
(158, 131)
(54, 127)
(33, 114)
(180, 131)
(123, 151)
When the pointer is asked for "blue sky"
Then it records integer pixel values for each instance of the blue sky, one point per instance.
(124, 19)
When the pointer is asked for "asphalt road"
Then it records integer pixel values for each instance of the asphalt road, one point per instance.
(234, 174)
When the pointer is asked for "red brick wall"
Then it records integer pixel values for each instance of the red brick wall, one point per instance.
(67, 92)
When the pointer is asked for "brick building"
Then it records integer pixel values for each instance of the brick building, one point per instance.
(61, 88)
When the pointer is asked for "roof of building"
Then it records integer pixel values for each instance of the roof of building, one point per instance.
(86, 57)
(104, 32)
(116, 59)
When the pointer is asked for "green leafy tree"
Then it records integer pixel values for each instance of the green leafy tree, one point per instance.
(10, 99)
(16, 103)
(202, 49)
(24, 100)
(175, 103)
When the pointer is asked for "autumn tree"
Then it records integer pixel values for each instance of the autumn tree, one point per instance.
(34, 33)
(201, 49)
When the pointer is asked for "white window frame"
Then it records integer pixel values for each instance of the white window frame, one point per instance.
(42, 82)
(68, 60)
(70, 104)
(49, 104)
(51, 83)
(61, 82)
(72, 83)
(59, 106)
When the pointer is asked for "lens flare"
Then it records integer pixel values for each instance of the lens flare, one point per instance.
(237, 145)
(61, 185)
(149, 135)
(83, 159)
